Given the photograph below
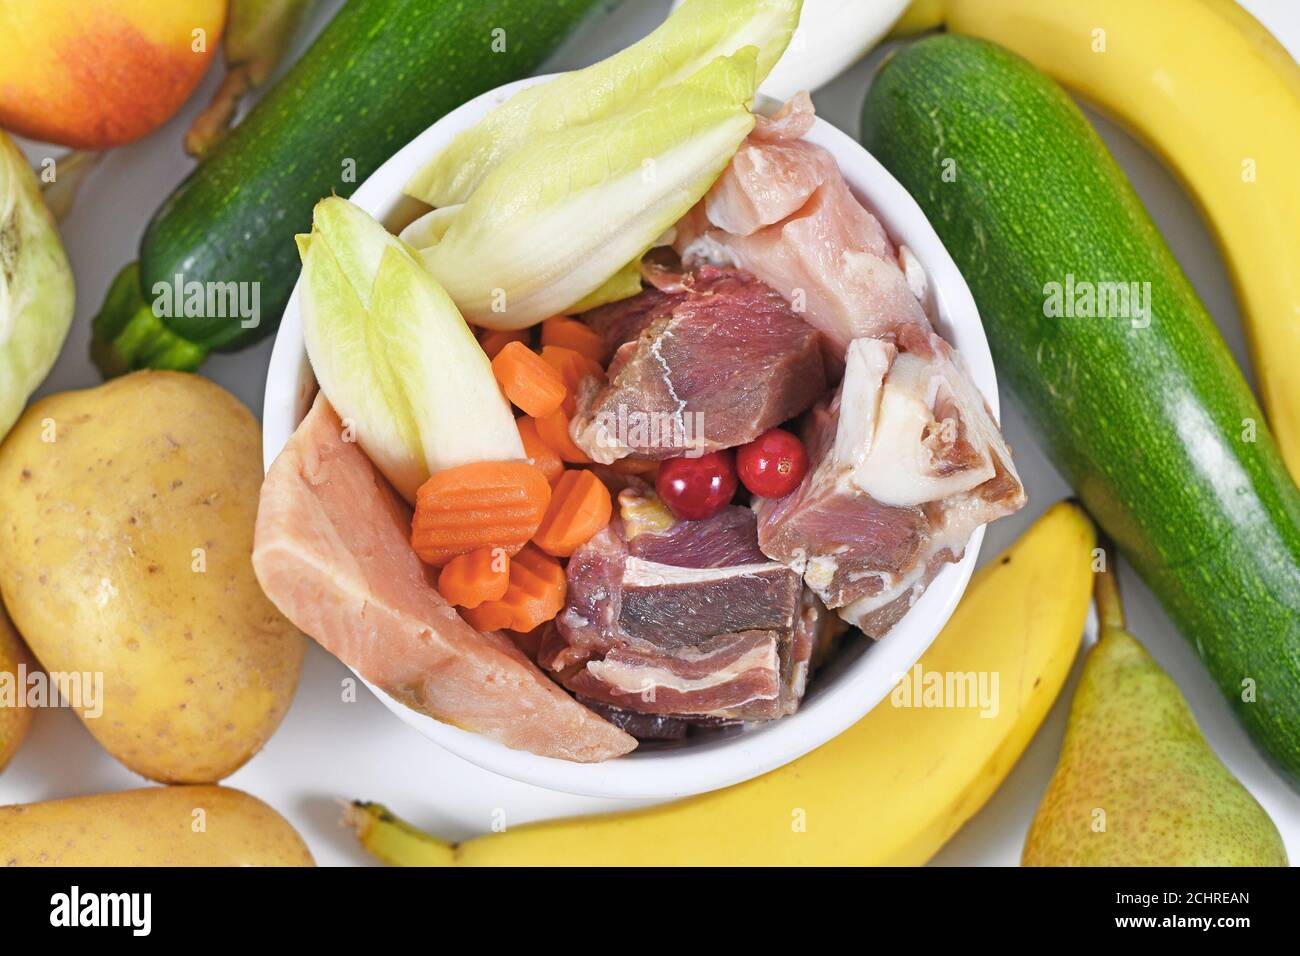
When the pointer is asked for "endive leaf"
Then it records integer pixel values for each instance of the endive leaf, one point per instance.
(392, 354)
(623, 284)
(554, 221)
(429, 228)
(694, 35)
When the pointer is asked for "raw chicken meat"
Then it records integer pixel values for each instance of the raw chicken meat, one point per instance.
(709, 367)
(906, 462)
(332, 553)
(783, 212)
(678, 617)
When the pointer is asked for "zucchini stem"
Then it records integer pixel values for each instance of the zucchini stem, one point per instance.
(126, 335)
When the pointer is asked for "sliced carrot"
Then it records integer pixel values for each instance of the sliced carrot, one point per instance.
(488, 616)
(580, 506)
(571, 334)
(542, 455)
(486, 504)
(470, 579)
(534, 596)
(493, 341)
(529, 381)
(554, 431)
(573, 367)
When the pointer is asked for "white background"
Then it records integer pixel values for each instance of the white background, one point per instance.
(327, 751)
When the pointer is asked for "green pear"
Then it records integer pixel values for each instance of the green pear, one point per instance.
(1137, 785)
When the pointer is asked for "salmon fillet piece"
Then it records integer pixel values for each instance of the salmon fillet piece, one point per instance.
(332, 552)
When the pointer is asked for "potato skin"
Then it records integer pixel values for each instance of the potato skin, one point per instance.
(154, 826)
(99, 569)
(13, 720)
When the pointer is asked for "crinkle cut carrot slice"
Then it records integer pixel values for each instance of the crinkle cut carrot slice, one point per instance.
(530, 382)
(542, 455)
(534, 596)
(580, 506)
(470, 579)
(485, 504)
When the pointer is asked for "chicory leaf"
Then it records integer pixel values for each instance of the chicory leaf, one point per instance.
(695, 34)
(393, 355)
(554, 221)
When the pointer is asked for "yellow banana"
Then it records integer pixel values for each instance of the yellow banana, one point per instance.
(890, 790)
(1218, 98)
(393, 840)
(919, 17)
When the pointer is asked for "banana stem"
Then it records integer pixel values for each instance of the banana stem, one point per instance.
(393, 840)
(1110, 610)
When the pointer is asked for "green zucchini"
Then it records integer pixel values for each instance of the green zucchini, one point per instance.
(379, 73)
(1148, 417)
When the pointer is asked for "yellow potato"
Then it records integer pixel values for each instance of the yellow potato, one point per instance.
(156, 826)
(13, 717)
(126, 537)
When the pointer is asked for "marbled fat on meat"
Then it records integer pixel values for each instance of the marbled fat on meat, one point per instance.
(687, 619)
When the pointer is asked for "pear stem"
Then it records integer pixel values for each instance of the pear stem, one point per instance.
(1110, 610)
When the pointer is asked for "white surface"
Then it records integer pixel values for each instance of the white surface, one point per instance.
(863, 675)
(327, 751)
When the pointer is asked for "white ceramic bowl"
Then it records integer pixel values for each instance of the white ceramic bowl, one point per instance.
(860, 676)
